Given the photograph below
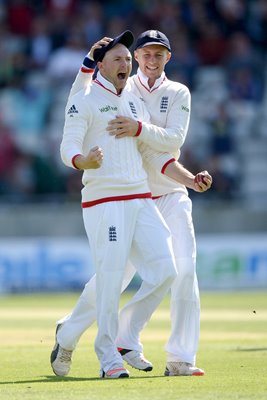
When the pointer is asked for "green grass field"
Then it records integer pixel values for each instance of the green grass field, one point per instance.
(232, 350)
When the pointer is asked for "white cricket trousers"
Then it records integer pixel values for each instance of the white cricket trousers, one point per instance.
(115, 229)
(182, 345)
(176, 209)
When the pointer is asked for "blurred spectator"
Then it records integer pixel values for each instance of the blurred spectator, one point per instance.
(222, 160)
(118, 8)
(257, 23)
(12, 59)
(93, 18)
(211, 44)
(245, 67)
(189, 160)
(241, 53)
(197, 13)
(166, 15)
(8, 157)
(224, 185)
(65, 62)
(39, 46)
(116, 25)
(22, 176)
(24, 105)
(33, 175)
(63, 16)
(64, 8)
(243, 85)
(222, 140)
(19, 16)
(232, 15)
(184, 60)
(72, 182)
(47, 180)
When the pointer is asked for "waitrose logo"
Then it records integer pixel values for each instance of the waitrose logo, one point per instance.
(108, 108)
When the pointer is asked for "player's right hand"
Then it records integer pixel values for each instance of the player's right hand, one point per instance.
(202, 181)
(94, 158)
(103, 42)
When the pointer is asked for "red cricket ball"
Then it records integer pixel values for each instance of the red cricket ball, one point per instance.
(199, 178)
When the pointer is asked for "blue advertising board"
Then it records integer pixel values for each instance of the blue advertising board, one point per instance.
(41, 264)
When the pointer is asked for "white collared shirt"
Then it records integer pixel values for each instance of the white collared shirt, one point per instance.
(86, 118)
(169, 107)
(144, 80)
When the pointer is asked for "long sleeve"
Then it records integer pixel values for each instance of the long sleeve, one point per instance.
(81, 81)
(154, 159)
(171, 138)
(77, 118)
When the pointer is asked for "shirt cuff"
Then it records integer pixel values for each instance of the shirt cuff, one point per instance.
(73, 161)
(139, 128)
(88, 63)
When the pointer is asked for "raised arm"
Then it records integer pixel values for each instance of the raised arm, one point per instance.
(85, 74)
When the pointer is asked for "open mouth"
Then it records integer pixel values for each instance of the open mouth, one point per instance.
(122, 75)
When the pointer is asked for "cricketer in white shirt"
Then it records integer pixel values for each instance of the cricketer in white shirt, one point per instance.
(169, 105)
(120, 218)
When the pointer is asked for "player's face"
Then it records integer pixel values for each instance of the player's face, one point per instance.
(152, 60)
(117, 66)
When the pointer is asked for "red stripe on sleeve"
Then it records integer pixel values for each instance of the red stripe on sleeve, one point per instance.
(139, 128)
(87, 70)
(163, 169)
(73, 160)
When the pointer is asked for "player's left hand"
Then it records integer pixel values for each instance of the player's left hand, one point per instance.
(121, 127)
(202, 181)
(103, 42)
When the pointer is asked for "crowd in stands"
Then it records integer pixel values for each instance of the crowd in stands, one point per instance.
(218, 51)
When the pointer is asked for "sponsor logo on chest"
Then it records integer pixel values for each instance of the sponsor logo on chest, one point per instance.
(108, 108)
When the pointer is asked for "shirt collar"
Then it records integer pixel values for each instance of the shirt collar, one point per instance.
(144, 80)
(100, 80)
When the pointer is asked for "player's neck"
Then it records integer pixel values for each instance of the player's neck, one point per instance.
(151, 82)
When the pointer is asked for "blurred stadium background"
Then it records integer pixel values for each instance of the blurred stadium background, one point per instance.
(219, 50)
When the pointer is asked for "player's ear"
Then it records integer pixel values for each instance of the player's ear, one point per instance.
(136, 55)
(168, 57)
(99, 65)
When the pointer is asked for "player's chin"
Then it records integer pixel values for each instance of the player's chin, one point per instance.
(122, 80)
(121, 85)
(152, 72)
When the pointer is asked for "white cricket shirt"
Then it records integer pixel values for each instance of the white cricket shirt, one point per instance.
(121, 175)
(169, 106)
